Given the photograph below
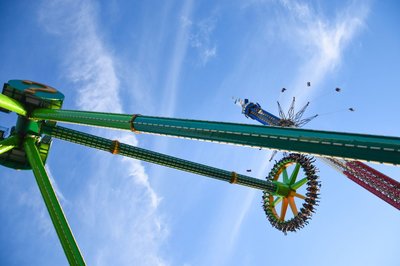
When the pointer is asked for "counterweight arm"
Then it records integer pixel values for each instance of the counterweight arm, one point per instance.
(381, 149)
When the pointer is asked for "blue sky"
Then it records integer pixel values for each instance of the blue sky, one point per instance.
(187, 59)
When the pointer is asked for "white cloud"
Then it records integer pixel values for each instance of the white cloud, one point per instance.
(176, 63)
(89, 64)
(200, 38)
(32, 199)
(119, 208)
(186, 22)
(321, 41)
(57, 190)
(170, 90)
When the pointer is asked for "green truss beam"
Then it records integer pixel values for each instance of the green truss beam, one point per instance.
(57, 216)
(115, 147)
(381, 149)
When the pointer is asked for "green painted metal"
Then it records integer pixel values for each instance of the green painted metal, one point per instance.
(381, 149)
(277, 201)
(32, 95)
(14, 157)
(285, 176)
(57, 216)
(299, 183)
(294, 174)
(157, 158)
(12, 105)
(282, 189)
(37, 89)
(25, 126)
(117, 121)
(8, 143)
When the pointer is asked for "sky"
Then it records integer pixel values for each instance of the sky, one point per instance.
(187, 59)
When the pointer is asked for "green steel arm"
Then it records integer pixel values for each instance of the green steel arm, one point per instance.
(381, 149)
(57, 216)
(141, 154)
(11, 105)
(8, 143)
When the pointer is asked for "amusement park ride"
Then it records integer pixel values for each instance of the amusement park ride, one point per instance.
(292, 182)
(370, 179)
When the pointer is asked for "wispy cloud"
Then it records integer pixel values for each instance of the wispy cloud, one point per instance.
(176, 61)
(320, 40)
(200, 37)
(32, 199)
(170, 90)
(119, 206)
(59, 193)
(89, 64)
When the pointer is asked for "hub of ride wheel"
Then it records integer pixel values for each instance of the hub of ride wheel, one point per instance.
(28, 96)
(287, 193)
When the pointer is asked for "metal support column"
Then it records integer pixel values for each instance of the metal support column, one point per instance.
(57, 216)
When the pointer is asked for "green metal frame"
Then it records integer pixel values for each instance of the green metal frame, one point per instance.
(12, 105)
(57, 216)
(9, 143)
(115, 147)
(381, 149)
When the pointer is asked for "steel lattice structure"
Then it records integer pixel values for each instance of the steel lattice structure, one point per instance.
(39, 109)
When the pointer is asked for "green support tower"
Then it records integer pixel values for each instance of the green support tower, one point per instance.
(23, 97)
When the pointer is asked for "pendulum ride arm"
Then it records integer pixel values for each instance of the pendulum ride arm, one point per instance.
(382, 149)
(116, 147)
(57, 216)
